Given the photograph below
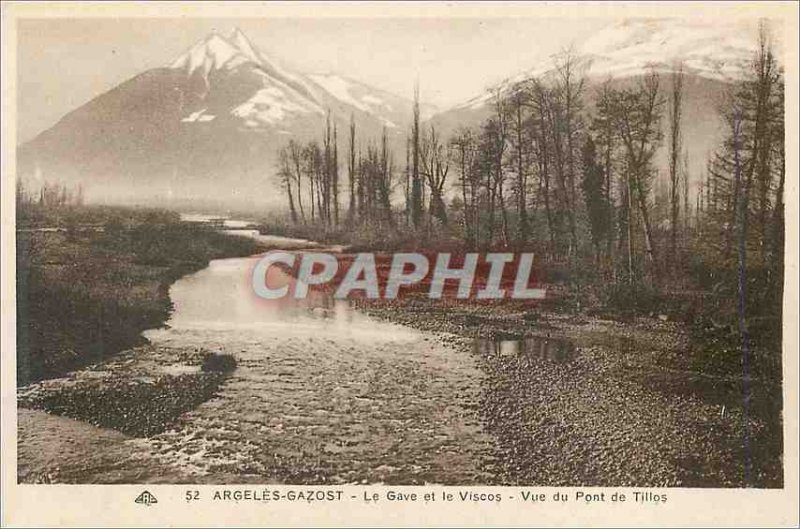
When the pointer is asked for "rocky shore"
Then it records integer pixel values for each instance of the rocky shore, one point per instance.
(623, 408)
(139, 393)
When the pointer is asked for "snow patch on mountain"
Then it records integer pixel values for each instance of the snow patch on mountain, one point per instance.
(374, 101)
(199, 116)
(358, 95)
(340, 88)
(271, 105)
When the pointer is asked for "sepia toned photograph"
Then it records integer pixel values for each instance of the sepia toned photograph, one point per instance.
(479, 251)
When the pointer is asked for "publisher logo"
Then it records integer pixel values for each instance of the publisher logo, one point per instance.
(145, 498)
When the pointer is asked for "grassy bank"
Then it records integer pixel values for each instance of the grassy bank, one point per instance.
(91, 279)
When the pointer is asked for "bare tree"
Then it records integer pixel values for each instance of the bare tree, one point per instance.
(335, 177)
(606, 138)
(675, 146)
(541, 138)
(285, 174)
(464, 150)
(498, 136)
(570, 84)
(416, 181)
(352, 212)
(520, 144)
(638, 116)
(434, 167)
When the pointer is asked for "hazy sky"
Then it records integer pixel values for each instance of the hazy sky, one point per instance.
(63, 63)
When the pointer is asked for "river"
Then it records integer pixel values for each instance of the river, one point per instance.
(321, 393)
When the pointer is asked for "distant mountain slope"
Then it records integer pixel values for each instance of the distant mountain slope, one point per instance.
(632, 47)
(712, 58)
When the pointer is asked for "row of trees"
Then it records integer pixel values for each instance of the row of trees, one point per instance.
(571, 168)
(539, 169)
(50, 195)
(743, 193)
(312, 171)
(742, 205)
(310, 175)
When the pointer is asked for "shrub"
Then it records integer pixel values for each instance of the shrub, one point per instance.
(218, 363)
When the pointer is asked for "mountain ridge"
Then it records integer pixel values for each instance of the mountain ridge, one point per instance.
(209, 123)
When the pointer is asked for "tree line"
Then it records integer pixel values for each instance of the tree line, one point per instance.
(49, 195)
(570, 170)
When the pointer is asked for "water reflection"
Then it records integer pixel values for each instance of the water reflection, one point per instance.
(220, 298)
(277, 241)
(217, 221)
(558, 350)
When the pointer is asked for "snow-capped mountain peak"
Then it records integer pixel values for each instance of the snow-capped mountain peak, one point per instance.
(235, 61)
(212, 53)
(231, 77)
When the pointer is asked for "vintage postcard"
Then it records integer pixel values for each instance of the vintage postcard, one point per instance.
(399, 264)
